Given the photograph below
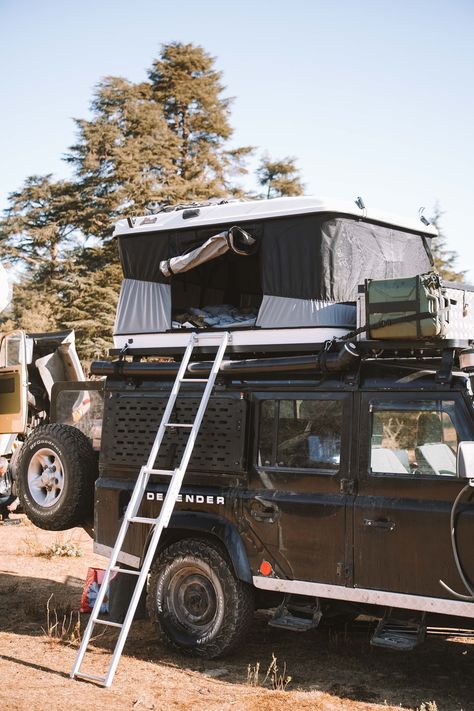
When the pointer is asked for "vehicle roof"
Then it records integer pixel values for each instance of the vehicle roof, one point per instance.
(224, 213)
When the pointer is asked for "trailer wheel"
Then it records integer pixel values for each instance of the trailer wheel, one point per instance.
(196, 601)
(56, 471)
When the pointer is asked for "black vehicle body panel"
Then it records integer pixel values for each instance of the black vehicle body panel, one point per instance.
(309, 524)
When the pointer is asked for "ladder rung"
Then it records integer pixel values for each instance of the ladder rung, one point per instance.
(162, 472)
(194, 380)
(116, 569)
(107, 623)
(90, 677)
(143, 519)
(177, 424)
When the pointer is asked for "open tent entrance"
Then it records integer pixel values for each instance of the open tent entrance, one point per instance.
(226, 290)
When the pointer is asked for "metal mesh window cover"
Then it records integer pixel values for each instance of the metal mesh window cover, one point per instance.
(132, 420)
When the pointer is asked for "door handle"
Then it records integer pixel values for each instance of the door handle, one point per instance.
(379, 523)
(264, 511)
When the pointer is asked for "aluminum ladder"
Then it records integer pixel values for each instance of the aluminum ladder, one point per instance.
(162, 520)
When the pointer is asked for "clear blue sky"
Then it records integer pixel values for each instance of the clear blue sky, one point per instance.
(374, 98)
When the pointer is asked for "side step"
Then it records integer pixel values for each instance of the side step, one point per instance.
(296, 616)
(398, 633)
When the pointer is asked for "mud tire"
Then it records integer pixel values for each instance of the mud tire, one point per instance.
(75, 501)
(196, 601)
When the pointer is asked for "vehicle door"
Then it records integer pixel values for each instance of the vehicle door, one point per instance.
(406, 488)
(298, 493)
(13, 383)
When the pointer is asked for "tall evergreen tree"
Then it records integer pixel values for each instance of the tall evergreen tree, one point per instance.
(280, 177)
(123, 157)
(89, 299)
(188, 87)
(444, 259)
(163, 140)
(38, 226)
(37, 233)
(159, 141)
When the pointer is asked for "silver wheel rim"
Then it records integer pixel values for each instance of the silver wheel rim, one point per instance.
(46, 477)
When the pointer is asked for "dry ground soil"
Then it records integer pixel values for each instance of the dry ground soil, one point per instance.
(328, 669)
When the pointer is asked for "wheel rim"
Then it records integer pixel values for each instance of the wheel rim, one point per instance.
(46, 477)
(192, 597)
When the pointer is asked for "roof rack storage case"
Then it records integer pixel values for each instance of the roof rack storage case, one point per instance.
(417, 307)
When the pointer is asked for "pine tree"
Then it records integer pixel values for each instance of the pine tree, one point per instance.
(38, 226)
(444, 259)
(185, 83)
(280, 177)
(89, 300)
(162, 140)
(159, 141)
(33, 309)
(36, 235)
(123, 157)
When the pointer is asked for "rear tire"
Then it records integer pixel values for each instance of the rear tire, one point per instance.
(196, 601)
(56, 470)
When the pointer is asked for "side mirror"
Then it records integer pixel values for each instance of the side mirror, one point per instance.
(465, 461)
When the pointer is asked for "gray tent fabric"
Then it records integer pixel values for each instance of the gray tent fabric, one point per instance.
(280, 311)
(352, 251)
(213, 248)
(143, 307)
(316, 257)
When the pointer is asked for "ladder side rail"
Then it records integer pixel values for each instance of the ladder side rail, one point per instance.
(135, 599)
(175, 483)
(106, 580)
(134, 502)
(171, 402)
(133, 505)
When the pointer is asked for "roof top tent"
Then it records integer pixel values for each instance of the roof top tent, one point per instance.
(280, 274)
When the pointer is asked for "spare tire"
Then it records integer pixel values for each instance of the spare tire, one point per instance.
(56, 471)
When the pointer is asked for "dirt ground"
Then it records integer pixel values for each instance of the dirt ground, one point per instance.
(329, 670)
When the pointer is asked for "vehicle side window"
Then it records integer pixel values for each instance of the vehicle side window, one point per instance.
(414, 441)
(300, 434)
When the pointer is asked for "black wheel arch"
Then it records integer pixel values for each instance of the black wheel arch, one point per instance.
(212, 527)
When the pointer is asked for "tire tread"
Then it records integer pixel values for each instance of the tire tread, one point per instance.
(238, 616)
(82, 471)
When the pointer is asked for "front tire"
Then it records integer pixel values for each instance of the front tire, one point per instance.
(56, 470)
(196, 601)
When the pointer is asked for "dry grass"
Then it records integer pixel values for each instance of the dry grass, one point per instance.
(63, 546)
(273, 678)
(65, 629)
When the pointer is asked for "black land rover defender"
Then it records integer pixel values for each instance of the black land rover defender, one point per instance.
(324, 480)
(321, 492)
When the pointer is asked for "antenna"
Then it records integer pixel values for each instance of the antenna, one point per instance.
(422, 217)
(360, 203)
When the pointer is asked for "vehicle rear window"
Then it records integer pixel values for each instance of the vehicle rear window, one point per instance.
(300, 434)
(414, 441)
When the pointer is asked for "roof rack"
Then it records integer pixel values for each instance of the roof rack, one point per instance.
(333, 356)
